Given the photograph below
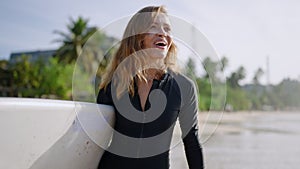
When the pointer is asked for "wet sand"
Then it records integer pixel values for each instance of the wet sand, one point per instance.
(245, 140)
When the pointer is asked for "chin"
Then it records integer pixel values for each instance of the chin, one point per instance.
(159, 55)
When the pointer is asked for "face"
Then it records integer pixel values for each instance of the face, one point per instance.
(158, 38)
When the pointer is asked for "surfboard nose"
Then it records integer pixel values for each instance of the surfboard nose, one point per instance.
(44, 133)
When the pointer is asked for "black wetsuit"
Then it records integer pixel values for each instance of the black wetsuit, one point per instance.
(146, 147)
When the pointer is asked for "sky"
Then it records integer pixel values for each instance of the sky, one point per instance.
(246, 32)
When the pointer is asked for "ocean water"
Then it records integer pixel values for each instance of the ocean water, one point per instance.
(265, 140)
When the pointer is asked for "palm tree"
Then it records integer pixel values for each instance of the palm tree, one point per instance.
(259, 72)
(190, 68)
(211, 68)
(224, 62)
(236, 77)
(73, 41)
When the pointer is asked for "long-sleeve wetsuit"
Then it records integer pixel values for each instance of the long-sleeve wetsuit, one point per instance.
(141, 139)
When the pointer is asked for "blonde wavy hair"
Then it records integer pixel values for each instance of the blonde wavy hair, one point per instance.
(131, 50)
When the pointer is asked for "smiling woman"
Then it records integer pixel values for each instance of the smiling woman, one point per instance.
(149, 95)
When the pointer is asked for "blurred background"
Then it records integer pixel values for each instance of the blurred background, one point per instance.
(256, 41)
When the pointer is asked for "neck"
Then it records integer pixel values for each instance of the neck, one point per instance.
(151, 74)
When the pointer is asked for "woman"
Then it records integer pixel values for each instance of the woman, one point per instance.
(148, 95)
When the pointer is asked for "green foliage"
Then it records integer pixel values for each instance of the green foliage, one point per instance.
(190, 70)
(257, 75)
(83, 86)
(289, 93)
(204, 96)
(3, 64)
(54, 78)
(211, 68)
(237, 98)
(224, 63)
(284, 96)
(210, 97)
(235, 77)
(256, 99)
(40, 79)
(57, 79)
(89, 47)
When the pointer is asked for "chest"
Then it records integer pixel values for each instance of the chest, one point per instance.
(155, 120)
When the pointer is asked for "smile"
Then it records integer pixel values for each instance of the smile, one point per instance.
(161, 44)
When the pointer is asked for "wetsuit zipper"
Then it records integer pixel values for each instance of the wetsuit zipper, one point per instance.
(141, 135)
(143, 121)
(144, 116)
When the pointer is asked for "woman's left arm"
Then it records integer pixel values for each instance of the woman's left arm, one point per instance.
(189, 127)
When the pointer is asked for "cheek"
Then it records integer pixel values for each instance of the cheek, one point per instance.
(147, 42)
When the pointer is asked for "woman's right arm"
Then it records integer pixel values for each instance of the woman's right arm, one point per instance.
(104, 96)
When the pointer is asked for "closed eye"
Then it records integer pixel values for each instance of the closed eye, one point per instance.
(167, 29)
(152, 26)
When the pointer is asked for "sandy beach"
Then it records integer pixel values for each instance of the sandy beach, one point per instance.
(247, 140)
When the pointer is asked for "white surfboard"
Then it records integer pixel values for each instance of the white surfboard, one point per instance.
(40, 133)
